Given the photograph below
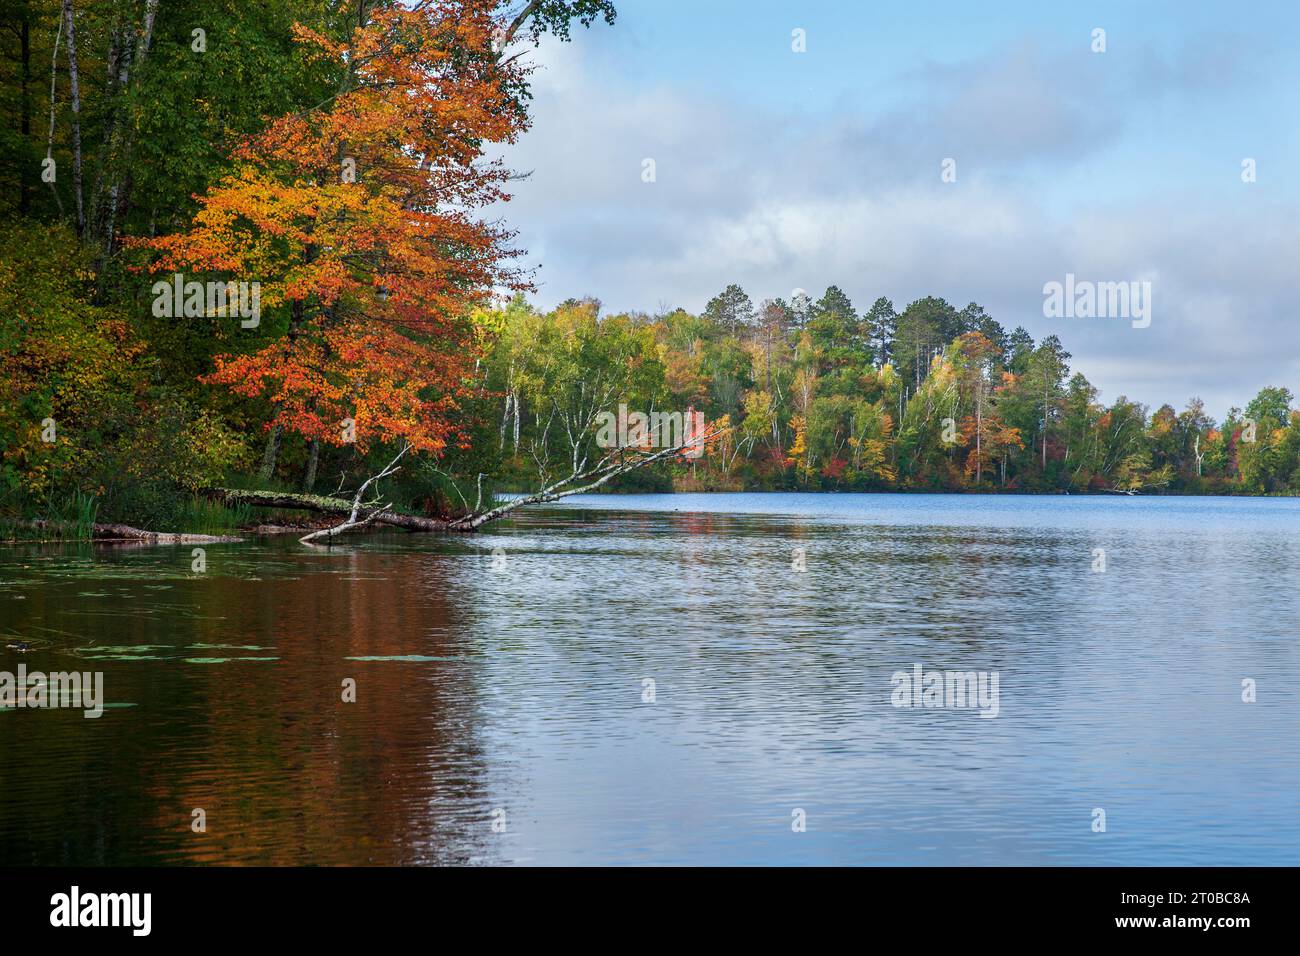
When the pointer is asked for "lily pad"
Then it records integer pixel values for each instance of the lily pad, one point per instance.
(119, 648)
(228, 647)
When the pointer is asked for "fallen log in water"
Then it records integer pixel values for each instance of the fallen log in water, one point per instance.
(359, 514)
(320, 504)
(124, 532)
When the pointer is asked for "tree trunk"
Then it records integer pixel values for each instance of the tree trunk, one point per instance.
(115, 44)
(505, 421)
(49, 143)
(75, 88)
(123, 532)
(269, 456)
(313, 457)
(119, 140)
(319, 504)
(127, 533)
(350, 525)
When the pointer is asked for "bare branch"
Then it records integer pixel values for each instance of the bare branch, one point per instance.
(354, 519)
(608, 468)
(350, 524)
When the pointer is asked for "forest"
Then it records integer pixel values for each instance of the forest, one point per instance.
(817, 395)
(253, 256)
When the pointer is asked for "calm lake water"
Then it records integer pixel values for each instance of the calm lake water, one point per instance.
(510, 691)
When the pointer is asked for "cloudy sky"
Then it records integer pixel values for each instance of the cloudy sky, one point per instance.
(782, 170)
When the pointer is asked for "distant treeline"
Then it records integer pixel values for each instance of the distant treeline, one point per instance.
(822, 396)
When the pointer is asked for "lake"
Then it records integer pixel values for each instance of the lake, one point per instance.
(650, 680)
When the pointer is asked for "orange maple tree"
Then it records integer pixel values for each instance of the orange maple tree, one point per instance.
(359, 220)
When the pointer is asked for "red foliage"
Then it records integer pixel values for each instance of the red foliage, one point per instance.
(357, 219)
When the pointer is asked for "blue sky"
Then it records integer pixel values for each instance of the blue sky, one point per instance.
(783, 170)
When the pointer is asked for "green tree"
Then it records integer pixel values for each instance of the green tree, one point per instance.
(882, 325)
(924, 329)
(731, 309)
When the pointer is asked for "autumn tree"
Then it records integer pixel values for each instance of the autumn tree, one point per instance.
(358, 220)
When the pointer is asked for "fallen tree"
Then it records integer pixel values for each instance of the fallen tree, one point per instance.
(318, 504)
(581, 481)
(360, 514)
(355, 518)
(124, 532)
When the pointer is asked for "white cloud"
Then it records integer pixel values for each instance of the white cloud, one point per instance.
(779, 200)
